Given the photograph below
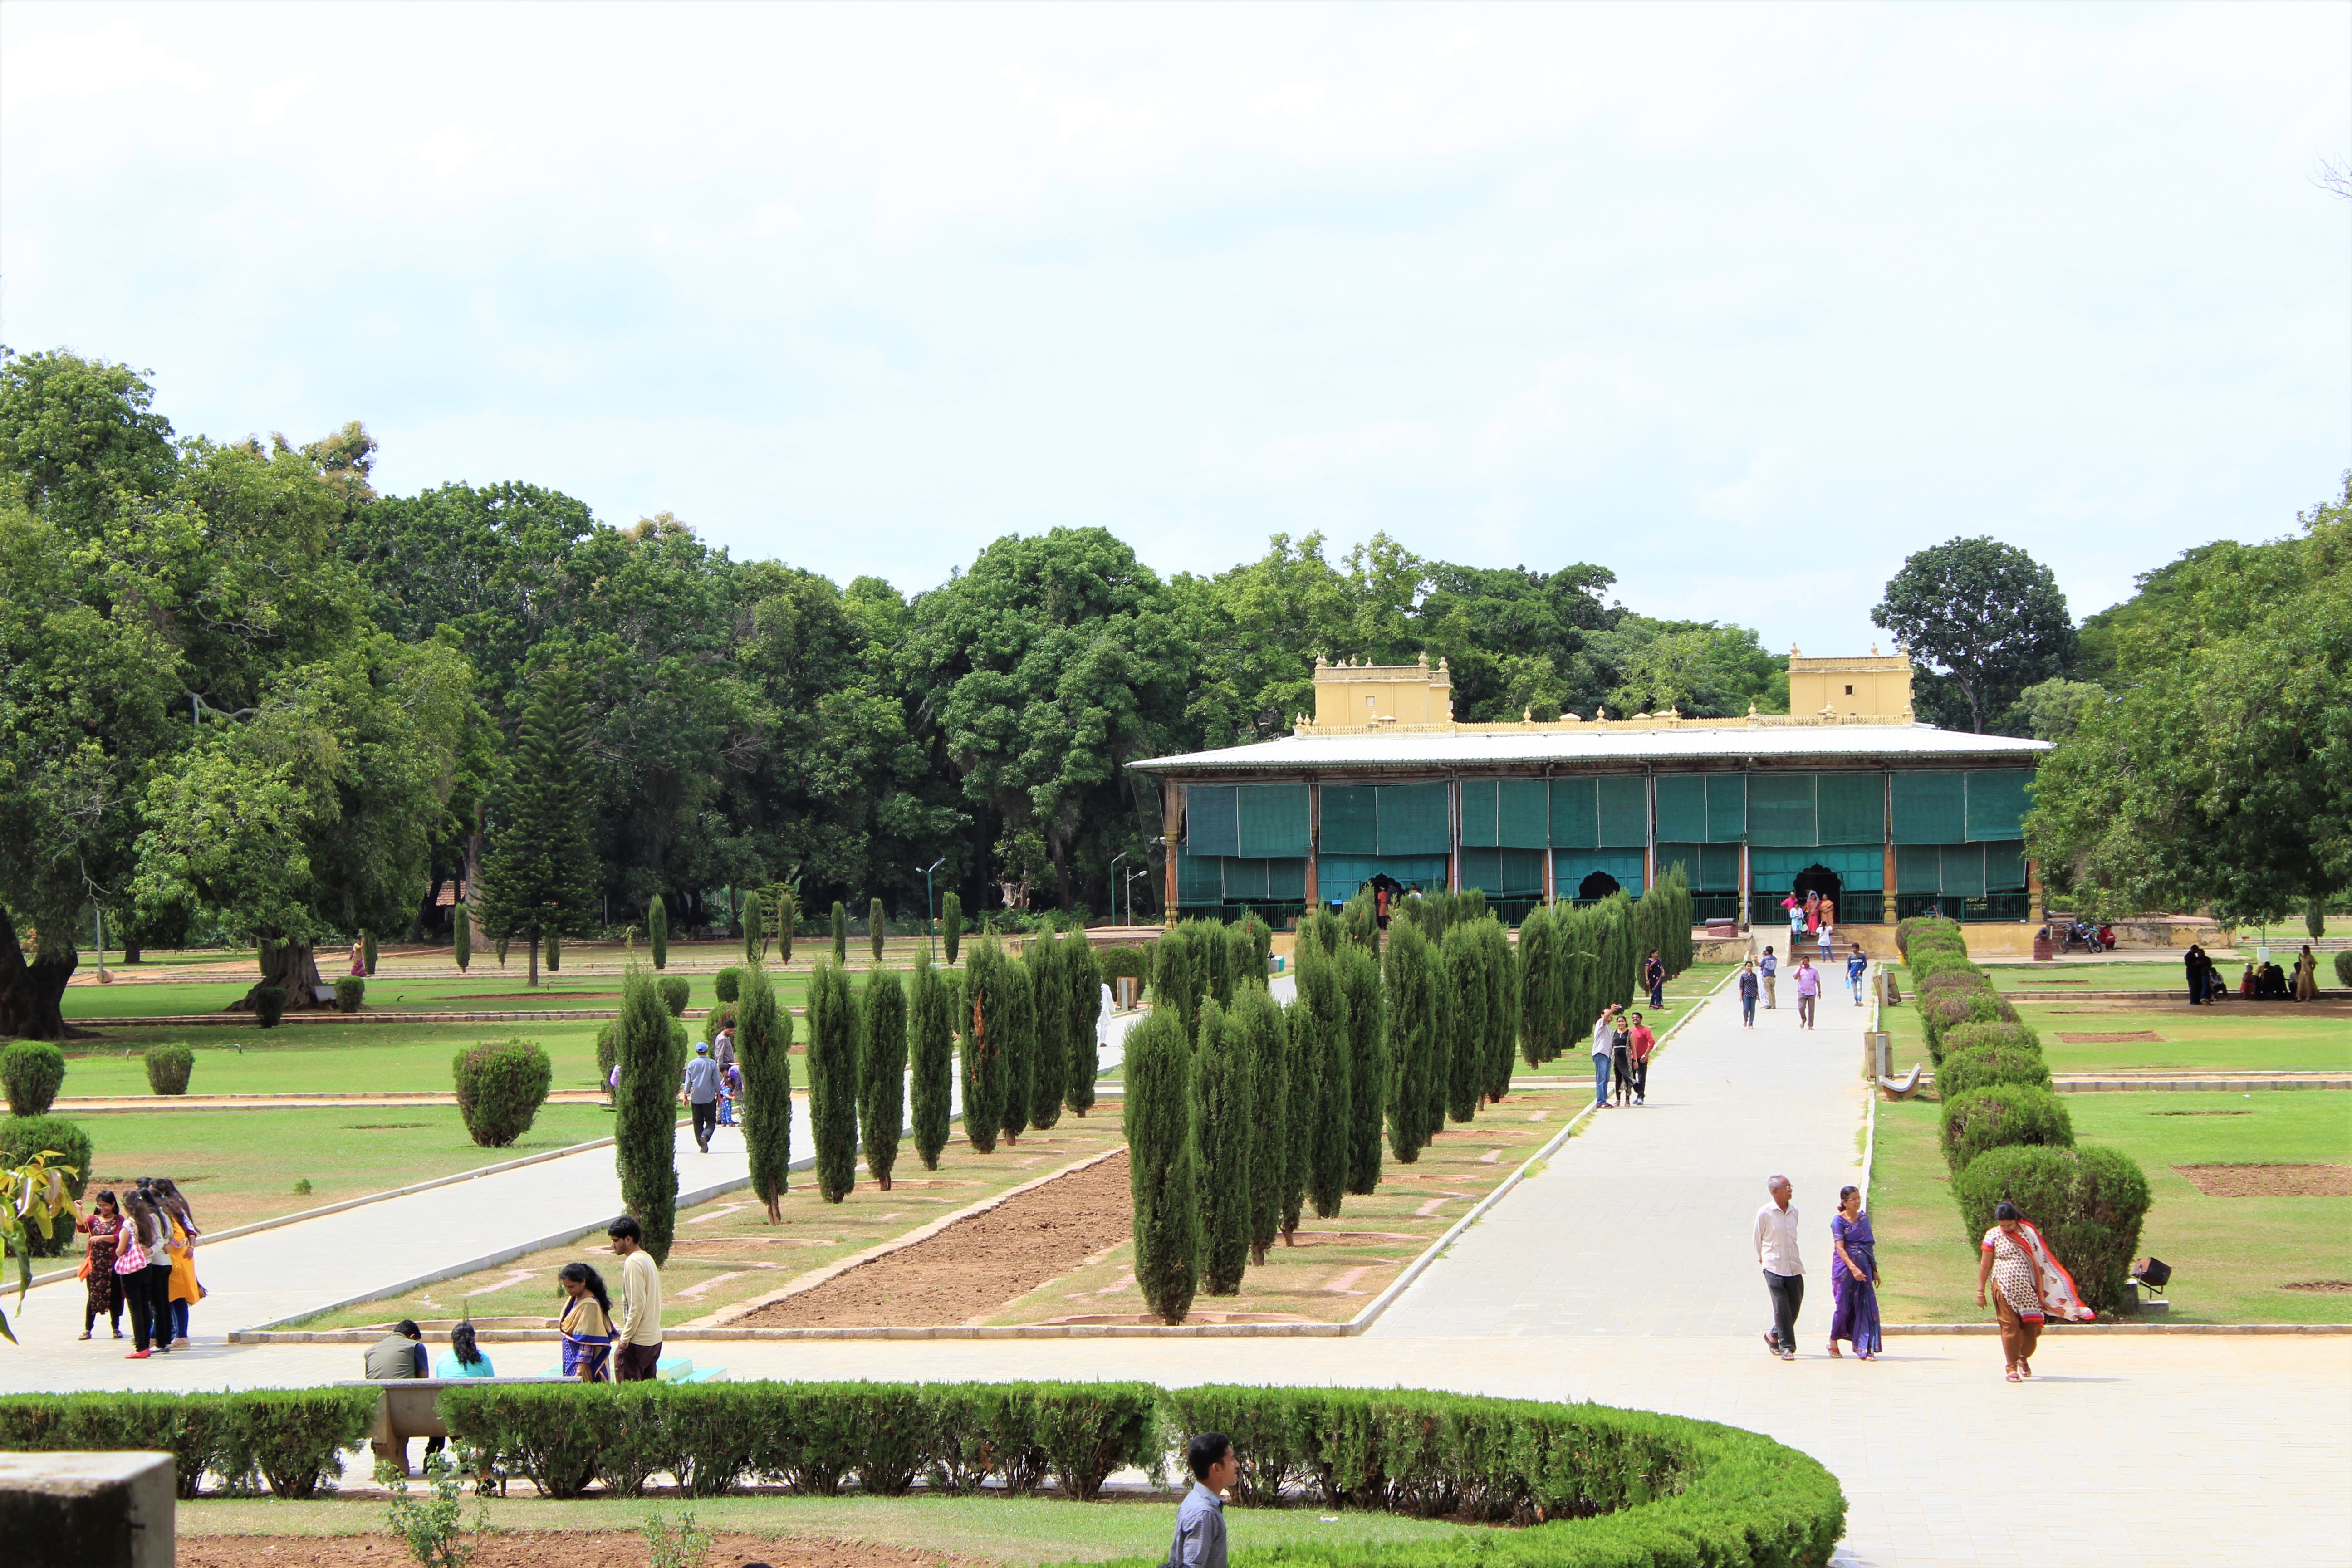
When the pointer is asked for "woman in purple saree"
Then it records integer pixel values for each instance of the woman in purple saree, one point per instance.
(1853, 1278)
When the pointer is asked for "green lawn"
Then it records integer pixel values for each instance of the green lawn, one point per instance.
(240, 1166)
(2090, 974)
(2271, 1037)
(322, 1057)
(1684, 992)
(2231, 1256)
(394, 992)
(986, 1528)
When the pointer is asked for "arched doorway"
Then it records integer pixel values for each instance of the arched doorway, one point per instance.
(1599, 885)
(1819, 878)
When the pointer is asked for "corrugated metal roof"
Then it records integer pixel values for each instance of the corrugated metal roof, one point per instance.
(1373, 753)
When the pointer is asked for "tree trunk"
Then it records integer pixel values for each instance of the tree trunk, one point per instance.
(30, 993)
(130, 952)
(293, 967)
(534, 962)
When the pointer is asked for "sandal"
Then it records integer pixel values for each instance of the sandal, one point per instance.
(1836, 1352)
(2012, 1374)
(2025, 1369)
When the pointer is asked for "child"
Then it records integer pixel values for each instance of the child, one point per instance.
(730, 1084)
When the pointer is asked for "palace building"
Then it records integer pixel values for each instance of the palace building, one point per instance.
(1847, 794)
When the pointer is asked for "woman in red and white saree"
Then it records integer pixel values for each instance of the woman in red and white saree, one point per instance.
(2028, 1282)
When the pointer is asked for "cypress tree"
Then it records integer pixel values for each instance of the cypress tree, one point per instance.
(367, 951)
(1175, 978)
(952, 924)
(1320, 929)
(1222, 1116)
(1261, 939)
(876, 926)
(931, 1042)
(539, 880)
(1502, 1005)
(763, 1044)
(1163, 1188)
(1626, 971)
(980, 1020)
(1415, 1019)
(788, 914)
(657, 931)
(1242, 964)
(754, 946)
(1017, 1037)
(840, 933)
(1049, 1006)
(464, 935)
(645, 1123)
(1368, 1063)
(1082, 987)
(1319, 1133)
(833, 1080)
(1263, 1028)
(1539, 1002)
(1467, 987)
(882, 1074)
(1360, 918)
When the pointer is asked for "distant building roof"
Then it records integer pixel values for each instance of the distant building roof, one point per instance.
(1694, 741)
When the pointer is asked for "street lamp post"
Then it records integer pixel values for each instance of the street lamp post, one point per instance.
(930, 921)
(1132, 878)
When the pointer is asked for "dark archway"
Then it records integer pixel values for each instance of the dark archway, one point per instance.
(1599, 885)
(1819, 878)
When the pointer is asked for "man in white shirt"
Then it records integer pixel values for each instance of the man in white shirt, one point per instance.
(1604, 1055)
(1784, 1271)
(636, 1350)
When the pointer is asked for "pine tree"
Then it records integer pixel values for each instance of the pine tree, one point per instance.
(539, 880)
(464, 936)
(1368, 1063)
(1082, 989)
(754, 945)
(1222, 1122)
(981, 1020)
(657, 931)
(1415, 1019)
(833, 1080)
(876, 926)
(764, 1043)
(1163, 1161)
(1321, 1134)
(1017, 1035)
(645, 1123)
(882, 1074)
(788, 915)
(950, 925)
(1049, 1042)
(931, 1044)
(1175, 977)
(840, 933)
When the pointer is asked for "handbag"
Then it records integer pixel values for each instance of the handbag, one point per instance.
(129, 1257)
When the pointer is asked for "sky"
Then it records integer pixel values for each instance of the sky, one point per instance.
(1744, 303)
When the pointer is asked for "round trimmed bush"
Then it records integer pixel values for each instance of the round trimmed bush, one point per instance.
(676, 989)
(31, 1071)
(1972, 1037)
(2343, 968)
(1939, 980)
(1983, 1067)
(1940, 1013)
(2087, 1203)
(350, 992)
(2000, 1115)
(1117, 961)
(168, 1067)
(21, 1138)
(727, 984)
(268, 1005)
(502, 1084)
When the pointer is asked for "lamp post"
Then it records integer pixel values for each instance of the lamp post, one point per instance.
(1115, 883)
(930, 922)
(1132, 878)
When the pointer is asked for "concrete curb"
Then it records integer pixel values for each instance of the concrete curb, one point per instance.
(2058, 1328)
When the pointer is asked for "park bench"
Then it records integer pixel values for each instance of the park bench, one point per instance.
(1902, 1087)
(405, 1409)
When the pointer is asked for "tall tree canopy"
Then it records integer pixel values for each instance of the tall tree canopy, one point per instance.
(1988, 621)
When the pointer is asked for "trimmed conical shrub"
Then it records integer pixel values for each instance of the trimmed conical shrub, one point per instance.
(1360, 918)
(1412, 984)
(877, 925)
(1261, 938)
(951, 925)
(462, 935)
(657, 931)
(367, 951)
(1176, 977)
(1467, 986)
(755, 945)
(980, 1023)
(931, 1046)
(788, 915)
(1163, 1175)
(833, 1080)
(1082, 988)
(1320, 1133)
(1502, 1023)
(840, 933)
(1221, 1117)
(1542, 1008)
(1017, 1041)
(1049, 1006)
(1367, 1064)
(1277, 1160)
(764, 1043)
(882, 1074)
(645, 1123)
(1320, 929)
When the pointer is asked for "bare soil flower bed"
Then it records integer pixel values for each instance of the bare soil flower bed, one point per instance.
(2270, 1181)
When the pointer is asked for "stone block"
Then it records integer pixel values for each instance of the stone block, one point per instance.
(86, 1510)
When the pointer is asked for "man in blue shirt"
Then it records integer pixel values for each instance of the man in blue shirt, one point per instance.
(1770, 966)
(1857, 964)
(1200, 1539)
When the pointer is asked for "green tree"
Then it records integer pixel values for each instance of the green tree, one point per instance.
(1367, 1064)
(764, 1043)
(1412, 983)
(1224, 1119)
(540, 880)
(931, 1040)
(1082, 989)
(461, 926)
(657, 933)
(2056, 708)
(877, 925)
(644, 1124)
(1986, 618)
(882, 1074)
(950, 925)
(787, 904)
(985, 1063)
(1050, 1030)
(1162, 1163)
(1543, 1007)
(1316, 1136)
(1501, 1027)
(833, 1080)
(1016, 1035)
(1468, 988)
(840, 933)
(1176, 975)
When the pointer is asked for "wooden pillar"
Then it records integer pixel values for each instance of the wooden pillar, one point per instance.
(1745, 922)
(1313, 843)
(1172, 818)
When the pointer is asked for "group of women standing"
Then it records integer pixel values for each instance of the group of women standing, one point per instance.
(141, 1254)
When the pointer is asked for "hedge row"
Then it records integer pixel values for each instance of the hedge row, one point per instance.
(1616, 1487)
(293, 1439)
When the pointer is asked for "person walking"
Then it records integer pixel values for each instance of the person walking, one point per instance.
(1200, 1541)
(1853, 1278)
(2030, 1282)
(464, 1358)
(1809, 991)
(586, 1325)
(1769, 968)
(1621, 1063)
(1748, 987)
(142, 1263)
(1604, 1053)
(1653, 976)
(104, 1228)
(640, 1337)
(1784, 1271)
(1857, 965)
(701, 1090)
(1638, 1047)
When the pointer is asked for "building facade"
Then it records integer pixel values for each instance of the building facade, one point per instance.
(1846, 795)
